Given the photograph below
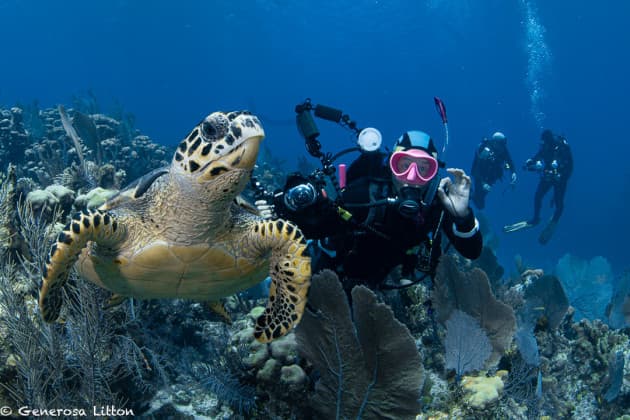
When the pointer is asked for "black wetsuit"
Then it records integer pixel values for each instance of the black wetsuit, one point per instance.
(490, 169)
(378, 238)
(557, 150)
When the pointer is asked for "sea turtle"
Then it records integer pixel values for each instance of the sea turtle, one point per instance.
(181, 232)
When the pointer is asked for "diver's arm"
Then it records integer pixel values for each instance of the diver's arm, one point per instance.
(508, 160)
(569, 161)
(316, 221)
(464, 234)
(460, 224)
(509, 164)
(535, 163)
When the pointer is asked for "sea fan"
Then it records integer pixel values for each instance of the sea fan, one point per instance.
(223, 382)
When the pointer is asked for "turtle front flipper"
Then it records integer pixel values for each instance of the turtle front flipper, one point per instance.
(290, 271)
(92, 225)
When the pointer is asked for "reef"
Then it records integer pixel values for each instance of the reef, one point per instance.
(472, 343)
(77, 150)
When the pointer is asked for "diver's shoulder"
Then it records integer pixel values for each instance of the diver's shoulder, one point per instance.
(563, 140)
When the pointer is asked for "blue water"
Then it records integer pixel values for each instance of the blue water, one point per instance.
(513, 66)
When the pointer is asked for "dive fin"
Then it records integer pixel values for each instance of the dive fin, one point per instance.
(547, 233)
(517, 226)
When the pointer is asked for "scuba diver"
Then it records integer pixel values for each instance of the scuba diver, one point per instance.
(391, 210)
(491, 159)
(554, 162)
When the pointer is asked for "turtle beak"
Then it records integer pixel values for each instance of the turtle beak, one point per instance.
(245, 156)
(251, 133)
(242, 158)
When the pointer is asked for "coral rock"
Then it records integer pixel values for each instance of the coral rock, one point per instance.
(64, 195)
(293, 376)
(268, 371)
(256, 312)
(94, 198)
(285, 348)
(259, 355)
(43, 203)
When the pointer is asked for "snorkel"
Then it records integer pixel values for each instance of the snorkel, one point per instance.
(441, 109)
(432, 187)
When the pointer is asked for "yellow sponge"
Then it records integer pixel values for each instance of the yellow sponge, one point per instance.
(483, 390)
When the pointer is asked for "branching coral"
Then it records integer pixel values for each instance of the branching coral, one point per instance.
(75, 151)
(73, 364)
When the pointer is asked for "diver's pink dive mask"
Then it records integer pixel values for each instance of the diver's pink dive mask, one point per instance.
(413, 166)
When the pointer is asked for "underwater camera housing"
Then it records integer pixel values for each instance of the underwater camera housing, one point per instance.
(368, 139)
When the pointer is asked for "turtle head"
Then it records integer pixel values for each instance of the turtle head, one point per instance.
(222, 142)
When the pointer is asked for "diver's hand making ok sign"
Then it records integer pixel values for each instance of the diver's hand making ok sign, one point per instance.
(455, 194)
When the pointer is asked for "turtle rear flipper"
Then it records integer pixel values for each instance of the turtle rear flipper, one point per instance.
(92, 225)
(218, 307)
(290, 271)
(114, 301)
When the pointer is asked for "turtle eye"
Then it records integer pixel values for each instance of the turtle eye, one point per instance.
(208, 130)
(215, 127)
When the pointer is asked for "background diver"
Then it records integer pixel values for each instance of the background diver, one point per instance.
(554, 162)
(491, 159)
